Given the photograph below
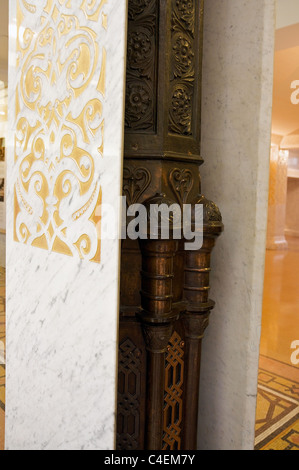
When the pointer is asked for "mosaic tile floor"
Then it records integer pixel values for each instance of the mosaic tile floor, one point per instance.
(277, 417)
(278, 388)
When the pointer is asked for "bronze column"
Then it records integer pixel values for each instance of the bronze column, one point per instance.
(163, 288)
(196, 317)
(157, 318)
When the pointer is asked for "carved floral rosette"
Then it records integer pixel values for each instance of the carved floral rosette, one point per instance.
(182, 67)
(141, 99)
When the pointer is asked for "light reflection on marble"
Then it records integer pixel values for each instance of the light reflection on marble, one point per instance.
(62, 311)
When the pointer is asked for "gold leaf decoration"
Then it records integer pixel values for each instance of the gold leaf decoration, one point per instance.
(59, 138)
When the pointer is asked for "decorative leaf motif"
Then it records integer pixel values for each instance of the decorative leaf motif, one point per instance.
(182, 183)
(182, 67)
(136, 181)
(139, 105)
(136, 7)
(181, 110)
(141, 99)
(184, 10)
(183, 56)
(211, 212)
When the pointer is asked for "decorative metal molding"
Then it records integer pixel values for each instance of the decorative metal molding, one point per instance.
(141, 90)
(129, 391)
(173, 408)
(180, 113)
(196, 323)
(137, 7)
(169, 218)
(135, 182)
(182, 67)
(211, 212)
(157, 336)
(184, 13)
(182, 182)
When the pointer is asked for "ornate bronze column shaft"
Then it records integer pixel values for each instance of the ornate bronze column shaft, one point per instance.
(157, 320)
(164, 290)
(196, 317)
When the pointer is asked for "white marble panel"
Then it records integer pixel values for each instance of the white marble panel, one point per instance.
(66, 107)
(236, 131)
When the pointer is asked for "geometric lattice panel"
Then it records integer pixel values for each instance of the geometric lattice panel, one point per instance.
(129, 390)
(173, 407)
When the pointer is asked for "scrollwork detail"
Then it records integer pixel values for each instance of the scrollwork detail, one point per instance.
(211, 212)
(180, 114)
(139, 52)
(136, 7)
(59, 133)
(183, 56)
(139, 100)
(141, 66)
(182, 183)
(182, 67)
(184, 10)
(136, 181)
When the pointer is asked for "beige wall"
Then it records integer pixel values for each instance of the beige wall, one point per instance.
(287, 13)
(292, 213)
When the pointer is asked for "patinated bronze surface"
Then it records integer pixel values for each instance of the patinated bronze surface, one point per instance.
(164, 291)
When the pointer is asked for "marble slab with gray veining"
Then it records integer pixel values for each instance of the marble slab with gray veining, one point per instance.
(66, 99)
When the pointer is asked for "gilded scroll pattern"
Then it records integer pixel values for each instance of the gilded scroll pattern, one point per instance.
(59, 140)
